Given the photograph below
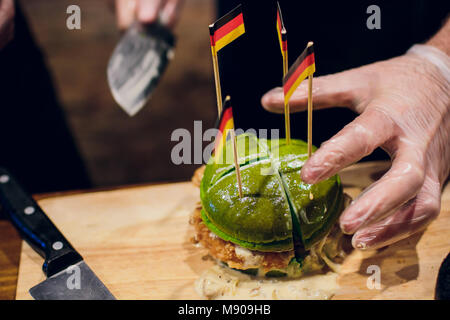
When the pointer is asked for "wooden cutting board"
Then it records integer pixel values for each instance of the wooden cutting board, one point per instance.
(137, 240)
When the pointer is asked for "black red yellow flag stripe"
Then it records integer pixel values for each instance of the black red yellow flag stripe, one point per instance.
(227, 29)
(281, 31)
(224, 124)
(303, 67)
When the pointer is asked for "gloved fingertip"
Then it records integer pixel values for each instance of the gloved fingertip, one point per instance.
(348, 222)
(307, 176)
(360, 245)
(272, 98)
(265, 101)
(312, 171)
(345, 227)
(368, 239)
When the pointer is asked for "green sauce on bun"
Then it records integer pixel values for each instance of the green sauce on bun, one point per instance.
(272, 191)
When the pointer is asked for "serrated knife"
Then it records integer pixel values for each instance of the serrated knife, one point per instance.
(68, 276)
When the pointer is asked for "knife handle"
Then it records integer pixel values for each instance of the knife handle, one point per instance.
(35, 227)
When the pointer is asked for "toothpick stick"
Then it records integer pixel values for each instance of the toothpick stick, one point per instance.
(217, 79)
(287, 121)
(310, 109)
(236, 163)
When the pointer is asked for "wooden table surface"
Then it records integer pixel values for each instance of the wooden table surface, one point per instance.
(428, 249)
(11, 244)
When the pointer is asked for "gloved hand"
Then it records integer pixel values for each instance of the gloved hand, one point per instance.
(6, 22)
(147, 11)
(404, 107)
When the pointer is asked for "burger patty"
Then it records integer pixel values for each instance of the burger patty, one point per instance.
(233, 255)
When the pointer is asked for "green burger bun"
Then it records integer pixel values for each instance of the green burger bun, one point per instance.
(272, 190)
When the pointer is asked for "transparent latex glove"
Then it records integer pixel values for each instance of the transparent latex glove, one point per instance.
(147, 11)
(6, 22)
(404, 107)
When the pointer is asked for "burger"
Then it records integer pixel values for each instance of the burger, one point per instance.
(254, 233)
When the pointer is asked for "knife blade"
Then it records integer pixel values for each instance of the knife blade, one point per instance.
(68, 276)
(297, 235)
(137, 64)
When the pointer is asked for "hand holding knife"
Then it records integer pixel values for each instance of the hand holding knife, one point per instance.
(143, 53)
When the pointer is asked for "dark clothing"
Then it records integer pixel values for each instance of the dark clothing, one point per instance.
(252, 64)
(35, 142)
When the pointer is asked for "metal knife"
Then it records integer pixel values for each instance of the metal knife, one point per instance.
(137, 64)
(68, 276)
